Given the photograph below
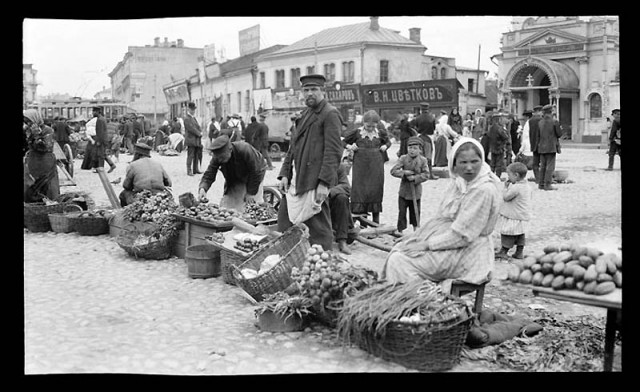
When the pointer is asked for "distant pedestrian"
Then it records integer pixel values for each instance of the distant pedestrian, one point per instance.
(514, 211)
(193, 136)
(261, 140)
(250, 132)
(524, 154)
(534, 137)
(61, 130)
(478, 125)
(406, 131)
(514, 128)
(455, 120)
(467, 125)
(615, 143)
(412, 168)
(425, 124)
(548, 147)
(497, 138)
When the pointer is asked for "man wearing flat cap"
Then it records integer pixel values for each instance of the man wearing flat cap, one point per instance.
(425, 124)
(310, 167)
(548, 146)
(497, 139)
(413, 169)
(534, 136)
(143, 173)
(261, 140)
(243, 169)
(193, 140)
(615, 146)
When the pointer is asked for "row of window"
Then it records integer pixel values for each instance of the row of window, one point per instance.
(329, 72)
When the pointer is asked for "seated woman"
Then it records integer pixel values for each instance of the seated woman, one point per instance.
(143, 174)
(456, 243)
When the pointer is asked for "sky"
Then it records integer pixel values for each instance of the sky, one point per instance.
(75, 56)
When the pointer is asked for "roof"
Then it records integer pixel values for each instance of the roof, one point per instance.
(246, 61)
(459, 68)
(350, 34)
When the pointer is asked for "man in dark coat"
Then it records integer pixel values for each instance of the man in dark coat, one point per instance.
(497, 139)
(341, 219)
(61, 131)
(243, 169)
(102, 141)
(261, 140)
(193, 140)
(548, 146)
(314, 155)
(615, 142)
(534, 136)
(425, 124)
(250, 132)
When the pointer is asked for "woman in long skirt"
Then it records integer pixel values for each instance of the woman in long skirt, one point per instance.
(369, 144)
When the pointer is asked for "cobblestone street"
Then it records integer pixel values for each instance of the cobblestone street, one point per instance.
(91, 308)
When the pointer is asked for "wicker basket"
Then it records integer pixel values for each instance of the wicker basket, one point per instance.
(425, 346)
(61, 222)
(90, 225)
(229, 259)
(291, 246)
(153, 250)
(36, 215)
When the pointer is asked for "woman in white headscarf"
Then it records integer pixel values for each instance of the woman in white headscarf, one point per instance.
(456, 243)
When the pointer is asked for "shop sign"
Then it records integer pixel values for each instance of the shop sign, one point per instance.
(551, 49)
(345, 95)
(177, 94)
(435, 92)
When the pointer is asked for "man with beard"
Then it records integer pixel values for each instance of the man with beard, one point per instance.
(310, 167)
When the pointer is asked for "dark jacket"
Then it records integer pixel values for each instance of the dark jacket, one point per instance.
(175, 127)
(342, 187)
(102, 136)
(315, 149)
(261, 137)
(246, 165)
(550, 132)
(615, 126)
(192, 132)
(249, 134)
(497, 138)
(61, 132)
(534, 132)
(425, 124)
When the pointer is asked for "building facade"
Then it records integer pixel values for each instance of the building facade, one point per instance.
(139, 78)
(29, 85)
(472, 95)
(570, 62)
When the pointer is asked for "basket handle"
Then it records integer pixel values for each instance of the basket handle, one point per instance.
(75, 206)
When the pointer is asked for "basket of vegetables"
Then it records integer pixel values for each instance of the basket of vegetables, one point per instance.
(150, 244)
(280, 312)
(414, 324)
(327, 279)
(272, 264)
(93, 222)
(61, 221)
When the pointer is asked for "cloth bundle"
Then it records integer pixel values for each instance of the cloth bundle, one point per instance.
(493, 328)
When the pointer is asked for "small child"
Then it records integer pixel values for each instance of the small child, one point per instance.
(413, 169)
(514, 212)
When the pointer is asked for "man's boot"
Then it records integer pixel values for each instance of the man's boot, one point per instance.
(343, 247)
(610, 167)
(189, 172)
(502, 254)
(518, 253)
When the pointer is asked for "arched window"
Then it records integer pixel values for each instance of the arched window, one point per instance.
(595, 106)
(434, 72)
(443, 73)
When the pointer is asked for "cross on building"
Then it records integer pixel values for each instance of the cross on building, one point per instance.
(529, 80)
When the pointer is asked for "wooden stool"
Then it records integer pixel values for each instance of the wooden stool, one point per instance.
(461, 288)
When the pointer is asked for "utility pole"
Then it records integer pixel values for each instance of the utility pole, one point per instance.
(155, 94)
(478, 83)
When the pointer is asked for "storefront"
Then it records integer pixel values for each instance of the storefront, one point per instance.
(392, 100)
(347, 99)
(178, 96)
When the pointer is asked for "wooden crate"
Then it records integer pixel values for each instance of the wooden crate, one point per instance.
(193, 234)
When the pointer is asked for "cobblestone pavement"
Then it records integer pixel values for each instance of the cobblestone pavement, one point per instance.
(90, 308)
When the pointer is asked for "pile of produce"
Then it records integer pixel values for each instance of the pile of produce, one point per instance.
(215, 237)
(100, 213)
(207, 212)
(154, 208)
(326, 279)
(259, 212)
(570, 267)
(284, 305)
(248, 243)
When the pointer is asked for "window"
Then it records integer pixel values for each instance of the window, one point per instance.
(470, 83)
(280, 78)
(434, 73)
(595, 106)
(262, 80)
(384, 71)
(228, 103)
(239, 101)
(330, 72)
(311, 70)
(348, 70)
(247, 101)
(443, 73)
(295, 77)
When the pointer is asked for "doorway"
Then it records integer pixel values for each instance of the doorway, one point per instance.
(564, 112)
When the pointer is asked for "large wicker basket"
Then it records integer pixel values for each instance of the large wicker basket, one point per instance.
(153, 250)
(90, 225)
(61, 222)
(291, 246)
(36, 215)
(425, 346)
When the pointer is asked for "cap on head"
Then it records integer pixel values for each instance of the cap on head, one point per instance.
(424, 105)
(312, 80)
(415, 141)
(142, 149)
(219, 143)
(527, 113)
(537, 108)
(192, 105)
(615, 111)
(547, 108)
(371, 116)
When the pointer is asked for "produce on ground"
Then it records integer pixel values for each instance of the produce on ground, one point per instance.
(570, 267)
(284, 305)
(154, 208)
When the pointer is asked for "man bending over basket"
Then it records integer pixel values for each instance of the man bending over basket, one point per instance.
(456, 243)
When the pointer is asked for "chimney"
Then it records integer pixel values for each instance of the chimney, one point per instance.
(166, 42)
(414, 34)
(180, 43)
(156, 41)
(374, 23)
